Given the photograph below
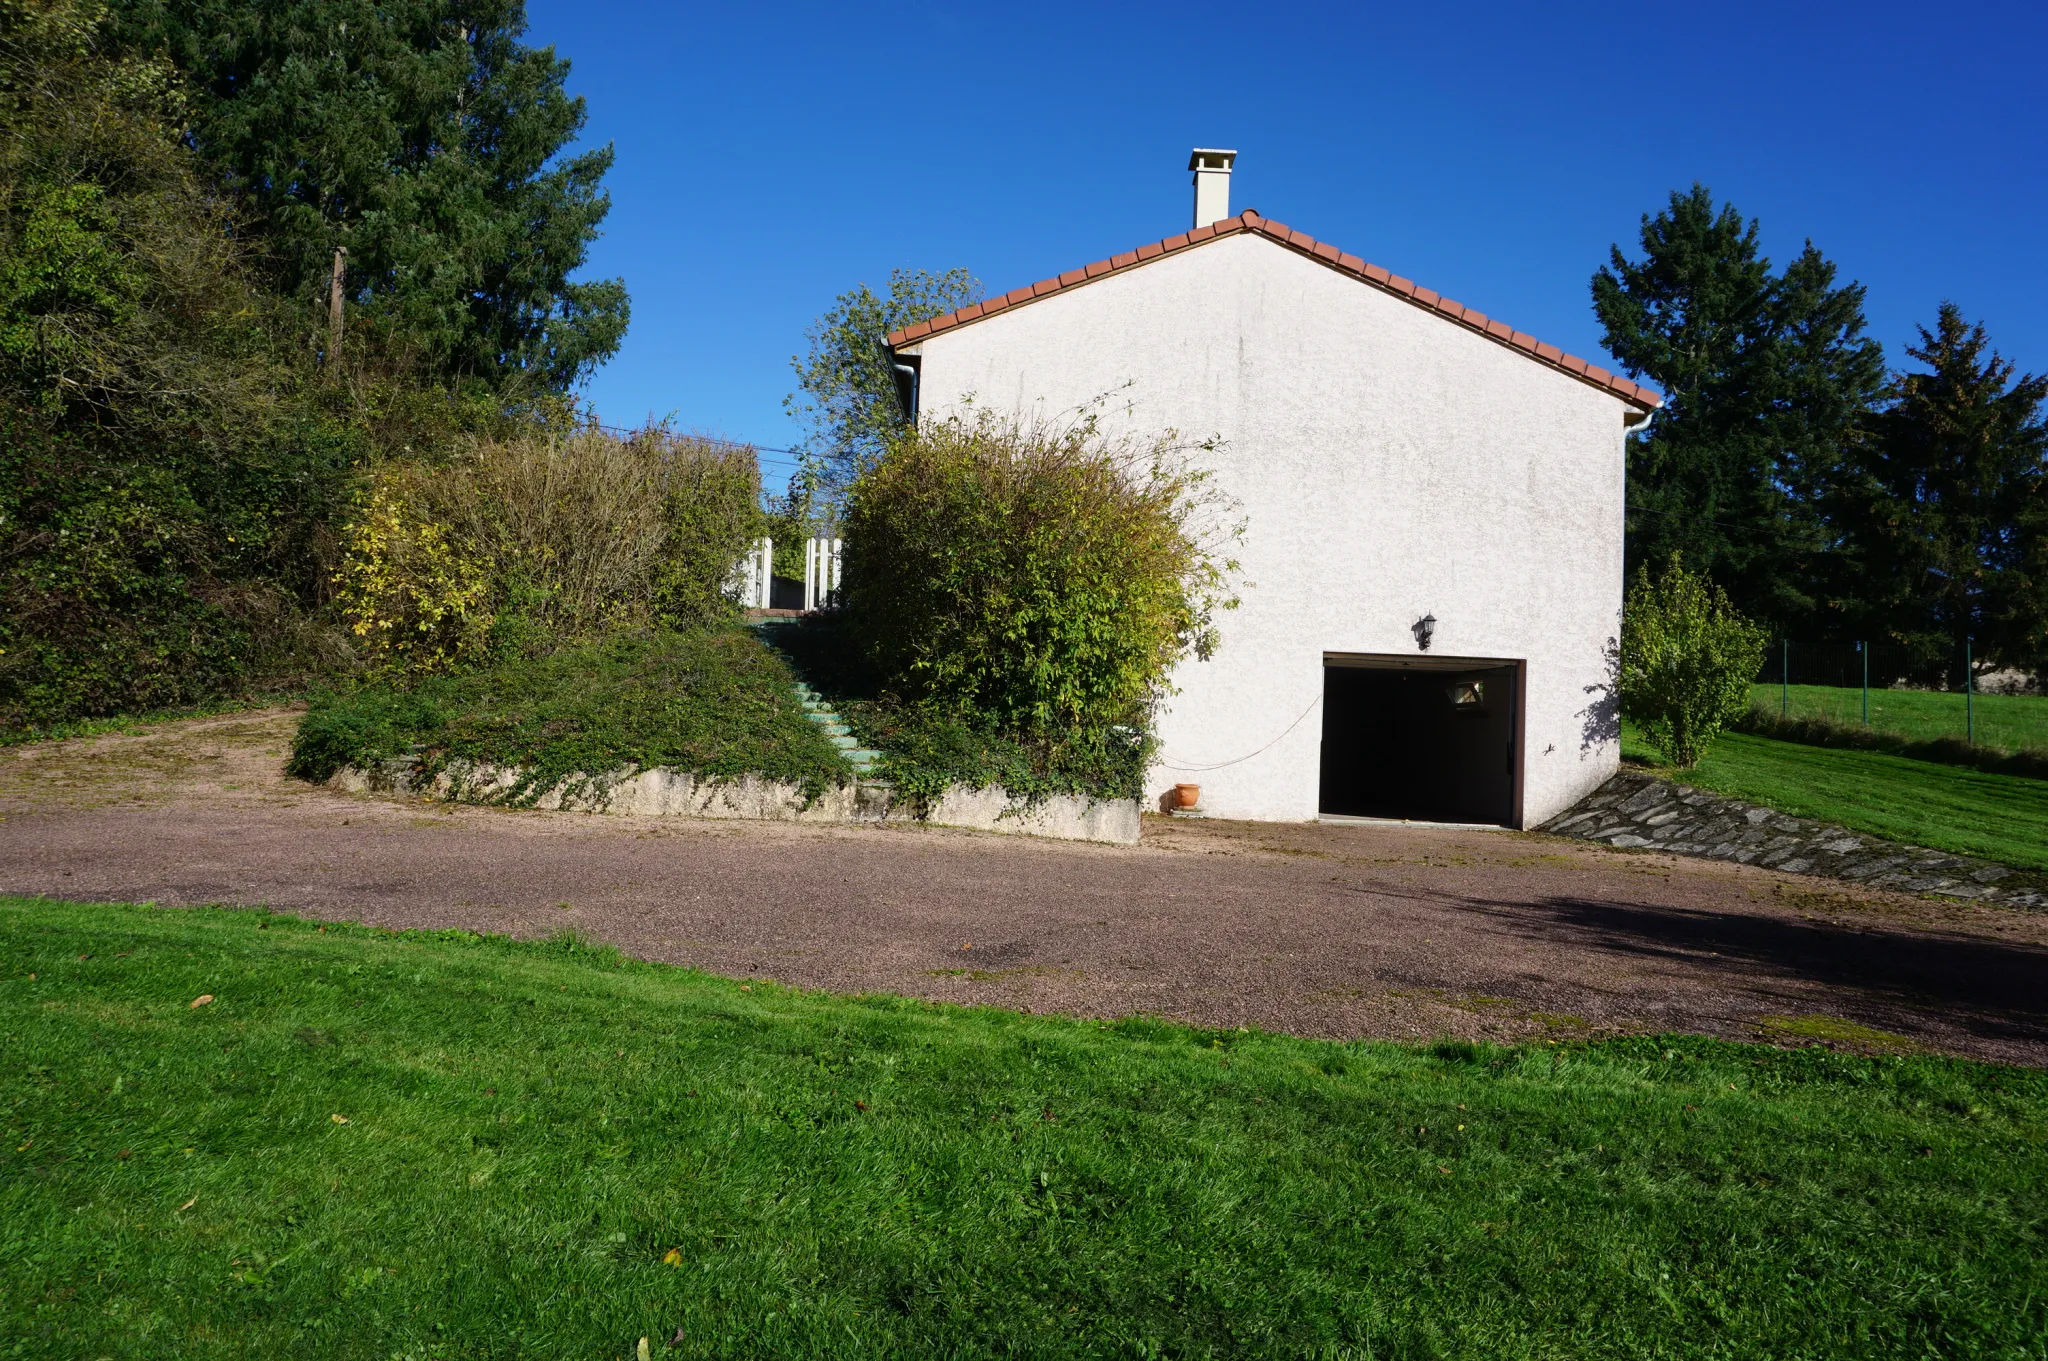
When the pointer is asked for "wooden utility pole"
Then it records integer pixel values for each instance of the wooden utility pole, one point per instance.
(334, 308)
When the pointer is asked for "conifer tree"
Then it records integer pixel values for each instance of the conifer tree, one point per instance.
(1945, 518)
(425, 138)
(1765, 377)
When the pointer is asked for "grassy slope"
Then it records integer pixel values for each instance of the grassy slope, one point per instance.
(1970, 812)
(716, 702)
(2013, 722)
(552, 1152)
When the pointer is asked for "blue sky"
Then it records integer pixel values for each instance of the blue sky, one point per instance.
(770, 156)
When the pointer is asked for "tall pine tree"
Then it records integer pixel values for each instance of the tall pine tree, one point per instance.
(1945, 513)
(1765, 377)
(425, 138)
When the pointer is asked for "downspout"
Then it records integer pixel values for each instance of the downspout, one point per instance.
(906, 387)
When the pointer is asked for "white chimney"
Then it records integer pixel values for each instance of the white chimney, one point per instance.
(1212, 183)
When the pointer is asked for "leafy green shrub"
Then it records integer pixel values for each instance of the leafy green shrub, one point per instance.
(1687, 659)
(1044, 579)
(167, 484)
(520, 541)
(927, 748)
(713, 701)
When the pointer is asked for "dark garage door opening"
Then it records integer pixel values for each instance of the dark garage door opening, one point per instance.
(1429, 739)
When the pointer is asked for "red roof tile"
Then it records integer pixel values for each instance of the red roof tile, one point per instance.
(1323, 254)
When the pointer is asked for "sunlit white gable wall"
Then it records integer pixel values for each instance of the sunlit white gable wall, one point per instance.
(1388, 463)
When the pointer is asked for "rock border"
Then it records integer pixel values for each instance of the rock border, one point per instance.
(661, 792)
(1642, 812)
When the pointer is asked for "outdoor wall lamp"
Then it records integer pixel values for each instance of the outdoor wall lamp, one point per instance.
(1424, 629)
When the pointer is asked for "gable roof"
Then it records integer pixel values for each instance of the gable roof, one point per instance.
(1322, 253)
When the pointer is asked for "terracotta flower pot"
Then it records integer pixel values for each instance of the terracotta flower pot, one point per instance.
(1186, 795)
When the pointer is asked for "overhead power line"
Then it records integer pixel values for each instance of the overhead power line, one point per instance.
(795, 456)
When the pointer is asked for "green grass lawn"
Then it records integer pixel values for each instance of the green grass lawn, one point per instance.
(715, 701)
(439, 1146)
(1950, 808)
(2013, 722)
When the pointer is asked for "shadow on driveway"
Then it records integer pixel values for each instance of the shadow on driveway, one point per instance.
(1993, 989)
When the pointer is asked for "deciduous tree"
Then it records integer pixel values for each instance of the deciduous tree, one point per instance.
(848, 395)
(1687, 659)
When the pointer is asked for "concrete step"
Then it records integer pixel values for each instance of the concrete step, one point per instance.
(838, 732)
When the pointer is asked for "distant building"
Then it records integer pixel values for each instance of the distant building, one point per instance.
(1433, 504)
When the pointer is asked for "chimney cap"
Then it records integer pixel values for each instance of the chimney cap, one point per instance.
(1211, 158)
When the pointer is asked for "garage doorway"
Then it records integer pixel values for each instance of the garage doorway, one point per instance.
(1432, 739)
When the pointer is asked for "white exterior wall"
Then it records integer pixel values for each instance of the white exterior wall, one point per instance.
(1389, 463)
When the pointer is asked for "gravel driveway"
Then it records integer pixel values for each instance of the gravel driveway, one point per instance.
(1348, 930)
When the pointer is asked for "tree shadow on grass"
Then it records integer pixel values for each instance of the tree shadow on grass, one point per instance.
(1991, 989)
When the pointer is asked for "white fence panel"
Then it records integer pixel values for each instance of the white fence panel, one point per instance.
(754, 576)
(821, 574)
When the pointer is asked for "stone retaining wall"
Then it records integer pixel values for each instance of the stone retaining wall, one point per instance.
(1643, 812)
(676, 793)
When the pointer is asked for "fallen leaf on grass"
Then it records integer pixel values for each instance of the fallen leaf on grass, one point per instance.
(188, 1204)
(673, 1257)
(201, 1000)
(339, 1119)
(641, 1353)
(860, 1105)
(676, 1339)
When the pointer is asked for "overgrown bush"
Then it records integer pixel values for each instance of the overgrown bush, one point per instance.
(167, 486)
(1687, 659)
(930, 746)
(1044, 579)
(519, 543)
(713, 701)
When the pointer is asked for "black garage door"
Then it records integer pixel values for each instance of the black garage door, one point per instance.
(1430, 740)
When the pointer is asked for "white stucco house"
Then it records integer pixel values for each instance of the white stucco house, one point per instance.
(1432, 562)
